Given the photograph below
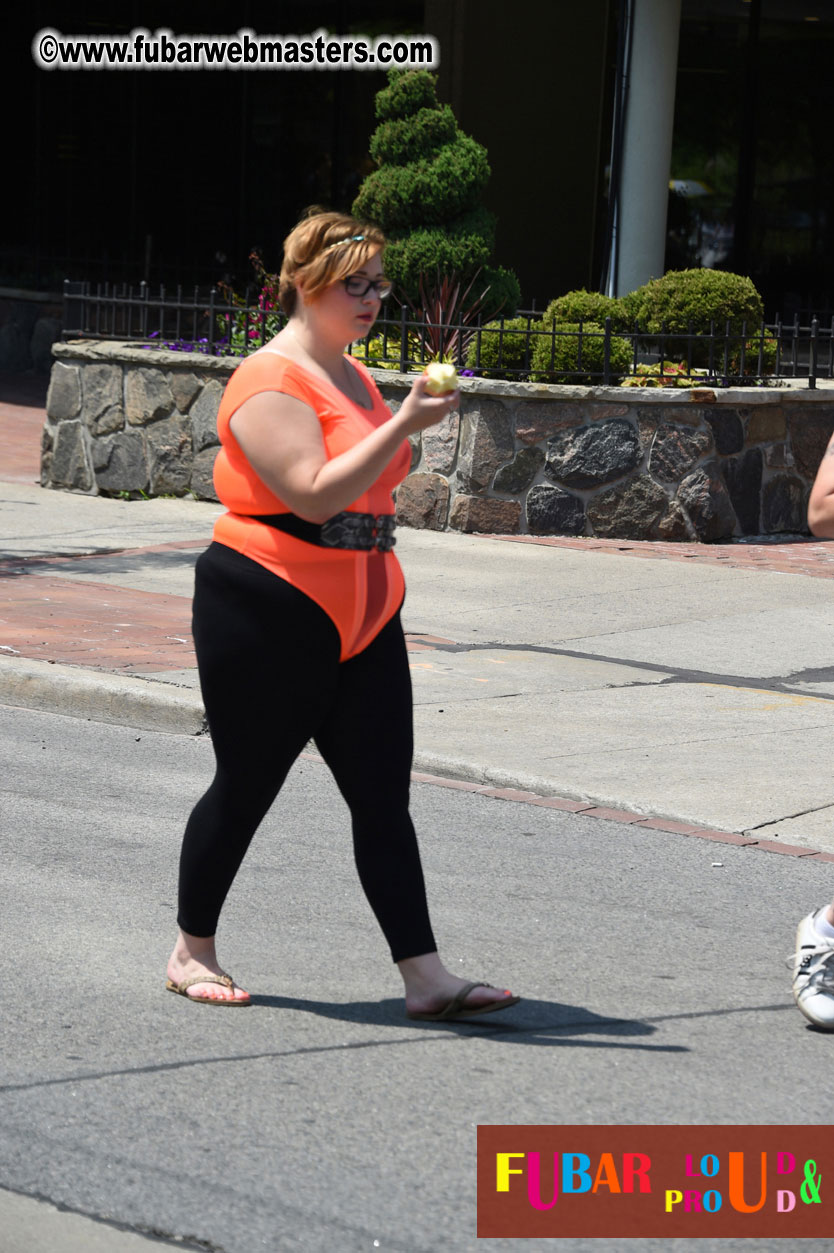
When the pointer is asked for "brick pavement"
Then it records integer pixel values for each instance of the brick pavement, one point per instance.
(105, 627)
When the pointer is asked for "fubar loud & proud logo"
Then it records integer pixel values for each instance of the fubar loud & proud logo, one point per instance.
(656, 1181)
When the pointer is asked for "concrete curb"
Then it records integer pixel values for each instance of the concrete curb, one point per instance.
(151, 705)
(100, 696)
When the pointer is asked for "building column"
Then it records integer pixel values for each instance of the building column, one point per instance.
(647, 143)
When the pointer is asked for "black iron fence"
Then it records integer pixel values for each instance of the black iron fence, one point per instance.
(219, 323)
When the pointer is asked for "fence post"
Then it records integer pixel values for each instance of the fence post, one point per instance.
(74, 293)
(606, 353)
(403, 341)
(812, 365)
(212, 295)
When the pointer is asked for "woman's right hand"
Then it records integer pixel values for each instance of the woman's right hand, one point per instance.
(420, 410)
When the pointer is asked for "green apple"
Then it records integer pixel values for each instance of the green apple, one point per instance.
(441, 378)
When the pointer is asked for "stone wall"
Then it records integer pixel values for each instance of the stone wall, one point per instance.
(30, 322)
(519, 458)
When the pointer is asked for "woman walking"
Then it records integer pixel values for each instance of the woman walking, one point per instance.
(296, 615)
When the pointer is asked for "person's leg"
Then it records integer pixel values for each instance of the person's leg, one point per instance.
(367, 741)
(813, 967)
(269, 659)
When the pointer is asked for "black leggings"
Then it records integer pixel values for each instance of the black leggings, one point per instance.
(271, 679)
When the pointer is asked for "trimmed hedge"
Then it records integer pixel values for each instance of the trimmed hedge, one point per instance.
(586, 306)
(698, 297)
(500, 348)
(564, 343)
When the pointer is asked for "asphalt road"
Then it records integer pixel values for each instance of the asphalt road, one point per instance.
(321, 1119)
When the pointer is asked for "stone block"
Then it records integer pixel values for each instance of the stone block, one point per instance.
(537, 420)
(63, 397)
(673, 527)
(204, 416)
(47, 444)
(707, 504)
(743, 478)
(490, 517)
(169, 457)
(440, 444)
(185, 387)
(784, 505)
(70, 465)
(553, 511)
(647, 429)
(593, 455)
(120, 462)
(423, 502)
(102, 406)
(727, 430)
(766, 425)
(486, 443)
(631, 510)
(416, 449)
(46, 331)
(148, 396)
(675, 450)
(684, 414)
(519, 474)
(778, 457)
(598, 412)
(202, 474)
(810, 430)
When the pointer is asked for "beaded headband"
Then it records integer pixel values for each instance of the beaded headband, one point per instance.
(339, 242)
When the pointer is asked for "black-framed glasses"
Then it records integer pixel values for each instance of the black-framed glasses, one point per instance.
(357, 285)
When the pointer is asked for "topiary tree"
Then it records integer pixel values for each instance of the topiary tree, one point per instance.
(426, 195)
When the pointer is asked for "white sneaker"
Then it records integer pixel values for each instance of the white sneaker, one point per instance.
(813, 974)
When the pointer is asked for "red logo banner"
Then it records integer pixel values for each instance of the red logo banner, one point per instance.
(656, 1181)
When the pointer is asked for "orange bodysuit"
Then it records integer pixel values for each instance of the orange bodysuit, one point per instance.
(360, 591)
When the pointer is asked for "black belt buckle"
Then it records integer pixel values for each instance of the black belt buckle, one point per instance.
(359, 531)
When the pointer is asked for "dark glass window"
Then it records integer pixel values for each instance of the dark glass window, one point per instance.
(753, 164)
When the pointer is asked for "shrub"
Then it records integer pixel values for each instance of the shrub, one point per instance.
(586, 306)
(698, 297)
(673, 374)
(565, 367)
(426, 192)
(496, 349)
(380, 353)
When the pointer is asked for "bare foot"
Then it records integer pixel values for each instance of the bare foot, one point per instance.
(193, 956)
(429, 987)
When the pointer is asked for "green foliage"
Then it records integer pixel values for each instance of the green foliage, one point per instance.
(764, 343)
(586, 306)
(408, 92)
(504, 294)
(698, 297)
(426, 192)
(412, 138)
(565, 365)
(384, 354)
(500, 348)
(443, 306)
(673, 374)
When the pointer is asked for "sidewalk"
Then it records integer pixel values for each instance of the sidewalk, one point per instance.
(693, 688)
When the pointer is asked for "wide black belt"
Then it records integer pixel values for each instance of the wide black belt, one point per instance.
(361, 531)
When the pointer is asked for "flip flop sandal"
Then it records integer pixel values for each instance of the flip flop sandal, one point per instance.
(456, 1009)
(225, 980)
